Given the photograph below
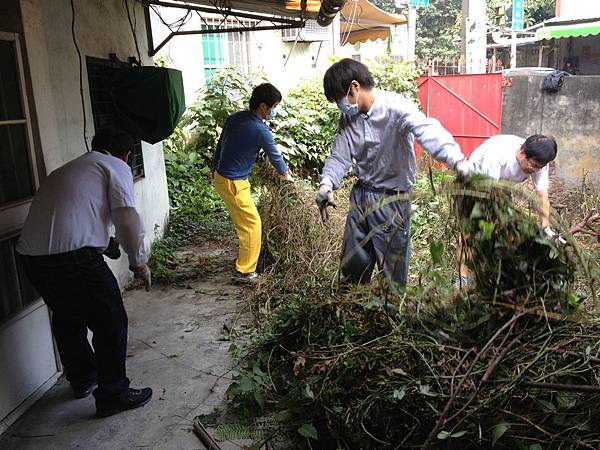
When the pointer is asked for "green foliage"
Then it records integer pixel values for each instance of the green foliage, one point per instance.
(394, 76)
(536, 11)
(305, 126)
(437, 25)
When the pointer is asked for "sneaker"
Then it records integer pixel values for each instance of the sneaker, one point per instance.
(83, 390)
(248, 276)
(130, 399)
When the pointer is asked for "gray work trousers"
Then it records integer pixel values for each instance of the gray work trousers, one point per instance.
(377, 232)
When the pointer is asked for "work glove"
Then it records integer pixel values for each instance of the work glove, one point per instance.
(464, 168)
(324, 200)
(552, 235)
(287, 177)
(142, 273)
(112, 251)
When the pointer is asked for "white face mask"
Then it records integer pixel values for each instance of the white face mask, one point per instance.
(271, 114)
(346, 107)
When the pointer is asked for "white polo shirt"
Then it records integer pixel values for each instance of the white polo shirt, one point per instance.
(72, 209)
(497, 158)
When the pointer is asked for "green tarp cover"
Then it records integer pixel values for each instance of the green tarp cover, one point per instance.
(149, 101)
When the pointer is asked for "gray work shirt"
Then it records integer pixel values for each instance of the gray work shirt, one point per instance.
(380, 143)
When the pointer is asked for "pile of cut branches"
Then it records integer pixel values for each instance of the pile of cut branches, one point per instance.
(512, 363)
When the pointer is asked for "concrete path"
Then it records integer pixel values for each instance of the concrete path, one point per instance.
(177, 346)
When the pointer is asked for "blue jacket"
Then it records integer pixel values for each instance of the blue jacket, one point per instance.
(244, 134)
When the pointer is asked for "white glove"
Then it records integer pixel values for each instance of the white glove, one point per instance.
(554, 236)
(464, 168)
(324, 200)
(287, 177)
(143, 273)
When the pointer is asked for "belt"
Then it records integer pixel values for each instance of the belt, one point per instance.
(377, 190)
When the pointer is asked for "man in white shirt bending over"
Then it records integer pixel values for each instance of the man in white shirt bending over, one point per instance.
(512, 158)
(67, 230)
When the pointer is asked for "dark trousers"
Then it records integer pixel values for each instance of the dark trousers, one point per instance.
(377, 232)
(82, 292)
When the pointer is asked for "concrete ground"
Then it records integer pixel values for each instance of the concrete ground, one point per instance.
(177, 346)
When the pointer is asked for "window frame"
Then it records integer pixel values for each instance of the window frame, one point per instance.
(13, 215)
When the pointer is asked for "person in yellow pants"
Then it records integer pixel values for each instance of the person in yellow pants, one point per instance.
(243, 135)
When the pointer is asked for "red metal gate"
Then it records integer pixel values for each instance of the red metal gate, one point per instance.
(468, 106)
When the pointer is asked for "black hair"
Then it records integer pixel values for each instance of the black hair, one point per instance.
(540, 148)
(338, 77)
(115, 141)
(264, 93)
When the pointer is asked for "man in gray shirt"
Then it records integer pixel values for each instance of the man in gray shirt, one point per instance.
(375, 135)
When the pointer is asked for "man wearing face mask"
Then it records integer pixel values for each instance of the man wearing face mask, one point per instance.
(376, 133)
(243, 135)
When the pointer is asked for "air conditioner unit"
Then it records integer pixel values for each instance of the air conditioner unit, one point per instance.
(312, 32)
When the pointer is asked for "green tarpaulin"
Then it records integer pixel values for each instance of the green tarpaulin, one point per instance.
(149, 101)
(569, 30)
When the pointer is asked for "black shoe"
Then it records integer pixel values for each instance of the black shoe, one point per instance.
(83, 390)
(131, 399)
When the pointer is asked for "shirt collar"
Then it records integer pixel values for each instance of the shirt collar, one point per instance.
(370, 111)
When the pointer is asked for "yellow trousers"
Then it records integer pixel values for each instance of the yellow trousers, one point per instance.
(236, 195)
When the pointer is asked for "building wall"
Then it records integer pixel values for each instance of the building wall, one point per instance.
(567, 9)
(572, 116)
(101, 28)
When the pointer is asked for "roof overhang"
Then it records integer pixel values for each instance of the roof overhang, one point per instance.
(361, 21)
(555, 29)
(278, 8)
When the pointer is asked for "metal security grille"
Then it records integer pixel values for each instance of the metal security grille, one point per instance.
(101, 75)
(312, 32)
(225, 49)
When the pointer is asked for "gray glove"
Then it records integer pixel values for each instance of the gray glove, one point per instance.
(554, 236)
(143, 273)
(464, 168)
(325, 200)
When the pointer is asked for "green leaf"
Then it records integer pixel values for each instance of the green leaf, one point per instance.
(308, 392)
(476, 211)
(487, 228)
(535, 447)
(436, 250)
(498, 431)
(260, 398)
(308, 431)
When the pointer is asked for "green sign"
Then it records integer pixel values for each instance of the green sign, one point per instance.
(418, 3)
(518, 17)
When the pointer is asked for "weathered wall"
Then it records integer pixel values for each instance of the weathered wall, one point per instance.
(101, 28)
(572, 116)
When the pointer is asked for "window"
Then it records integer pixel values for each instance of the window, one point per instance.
(17, 177)
(16, 292)
(225, 49)
(101, 74)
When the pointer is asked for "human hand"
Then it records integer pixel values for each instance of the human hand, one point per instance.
(143, 273)
(287, 177)
(325, 199)
(464, 168)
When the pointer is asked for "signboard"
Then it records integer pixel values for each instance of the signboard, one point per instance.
(420, 3)
(518, 16)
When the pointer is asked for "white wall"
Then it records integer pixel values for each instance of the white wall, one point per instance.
(101, 28)
(567, 9)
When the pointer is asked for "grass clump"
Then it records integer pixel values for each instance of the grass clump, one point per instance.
(512, 363)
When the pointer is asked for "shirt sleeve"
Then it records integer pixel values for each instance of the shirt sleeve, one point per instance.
(339, 160)
(217, 156)
(541, 179)
(120, 187)
(429, 133)
(268, 145)
(130, 232)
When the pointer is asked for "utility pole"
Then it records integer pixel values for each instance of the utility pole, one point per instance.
(474, 35)
(412, 32)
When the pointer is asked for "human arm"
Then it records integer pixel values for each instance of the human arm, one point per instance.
(267, 143)
(339, 160)
(544, 207)
(429, 133)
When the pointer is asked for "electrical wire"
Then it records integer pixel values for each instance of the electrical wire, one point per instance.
(80, 75)
(133, 29)
(350, 23)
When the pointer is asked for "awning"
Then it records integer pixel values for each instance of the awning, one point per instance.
(361, 21)
(558, 30)
(286, 8)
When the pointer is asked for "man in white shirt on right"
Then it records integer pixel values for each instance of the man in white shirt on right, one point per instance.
(512, 158)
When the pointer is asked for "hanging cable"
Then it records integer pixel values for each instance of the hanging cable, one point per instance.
(80, 75)
(133, 29)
